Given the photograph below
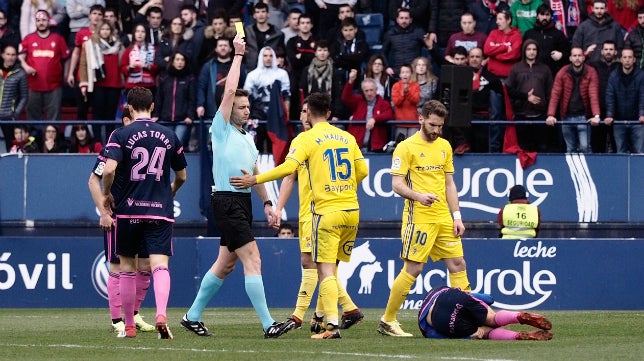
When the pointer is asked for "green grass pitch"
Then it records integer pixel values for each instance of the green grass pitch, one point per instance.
(82, 334)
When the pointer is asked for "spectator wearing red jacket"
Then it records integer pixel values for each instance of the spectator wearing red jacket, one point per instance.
(370, 107)
(405, 95)
(503, 46)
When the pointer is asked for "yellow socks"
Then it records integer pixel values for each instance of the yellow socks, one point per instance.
(459, 280)
(399, 291)
(329, 299)
(307, 288)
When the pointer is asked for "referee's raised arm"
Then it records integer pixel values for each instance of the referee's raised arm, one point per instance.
(232, 81)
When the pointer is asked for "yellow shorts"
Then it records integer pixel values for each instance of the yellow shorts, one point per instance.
(305, 235)
(435, 240)
(333, 236)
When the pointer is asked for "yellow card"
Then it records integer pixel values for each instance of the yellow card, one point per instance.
(239, 26)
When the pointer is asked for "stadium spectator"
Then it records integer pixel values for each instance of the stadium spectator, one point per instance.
(375, 70)
(554, 47)
(468, 37)
(233, 149)
(422, 74)
(485, 11)
(524, 14)
(22, 141)
(444, 20)
(598, 28)
(175, 97)
(635, 38)
(309, 281)
(278, 11)
(30, 9)
(529, 84)
(300, 51)
(519, 219)
(79, 13)
(319, 78)
(431, 211)
(52, 141)
(14, 90)
(260, 35)
(503, 49)
(335, 214)
(285, 230)
(218, 29)
(82, 140)
(192, 23)
(451, 313)
(8, 35)
(292, 24)
(335, 31)
(41, 56)
(625, 101)
(175, 38)
(266, 78)
(151, 15)
(100, 73)
(575, 95)
(329, 11)
(624, 12)
(369, 107)
(602, 139)
(405, 95)
(210, 85)
(80, 36)
(139, 225)
(348, 52)
(419, 10)
(137, 61)
(503, 46)
(403, 42)
(106, 222)
(111, 17)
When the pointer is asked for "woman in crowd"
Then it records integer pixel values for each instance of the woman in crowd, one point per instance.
(176, 96)
(53, 141)
(100, 72)
(137, 62)
(421, 73)
(376, 70)
(82, 140)
(175, 38)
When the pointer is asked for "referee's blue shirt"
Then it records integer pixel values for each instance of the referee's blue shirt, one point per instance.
(232, 151)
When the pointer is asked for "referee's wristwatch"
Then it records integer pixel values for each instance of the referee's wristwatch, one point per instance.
(268, 203)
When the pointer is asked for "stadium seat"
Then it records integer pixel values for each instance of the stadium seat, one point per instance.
(373, 26)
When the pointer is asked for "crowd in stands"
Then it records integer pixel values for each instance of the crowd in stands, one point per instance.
(567, 72)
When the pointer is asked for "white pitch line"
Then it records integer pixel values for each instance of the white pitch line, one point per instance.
(143, 348)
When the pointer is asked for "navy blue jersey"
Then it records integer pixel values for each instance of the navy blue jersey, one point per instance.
(146, 153)
(117, 187)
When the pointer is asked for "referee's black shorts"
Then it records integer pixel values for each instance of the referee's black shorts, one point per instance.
(233, 213)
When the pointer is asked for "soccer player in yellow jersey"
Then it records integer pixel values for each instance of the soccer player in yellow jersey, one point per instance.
(423, 173)
(352, 314)
(336, 167)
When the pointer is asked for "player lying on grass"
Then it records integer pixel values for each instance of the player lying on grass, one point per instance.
(451, 313)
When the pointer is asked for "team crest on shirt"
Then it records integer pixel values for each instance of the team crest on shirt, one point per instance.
(395, 163)
(53, 44)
